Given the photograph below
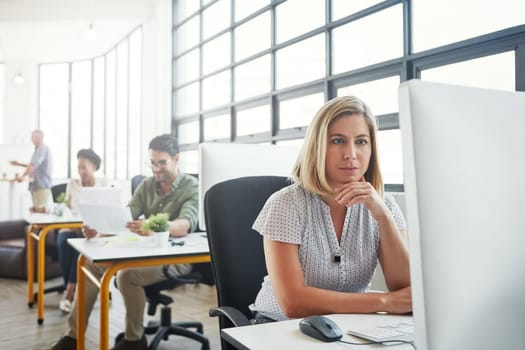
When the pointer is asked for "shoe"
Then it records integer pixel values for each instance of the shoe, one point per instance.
(65, 343)
(124, 344)
(65, 305)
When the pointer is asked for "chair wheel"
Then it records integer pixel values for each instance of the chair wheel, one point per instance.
(118, 338)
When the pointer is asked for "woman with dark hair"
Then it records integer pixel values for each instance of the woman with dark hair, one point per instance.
(88, 164)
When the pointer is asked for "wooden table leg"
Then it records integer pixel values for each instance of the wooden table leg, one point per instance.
(81, 292)
(30, 266)
(41, 271)
(104, 305)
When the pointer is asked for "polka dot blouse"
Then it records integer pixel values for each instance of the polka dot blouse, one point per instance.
(295, 216)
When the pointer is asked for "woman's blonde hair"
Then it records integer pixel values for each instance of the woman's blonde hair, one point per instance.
(309, 170)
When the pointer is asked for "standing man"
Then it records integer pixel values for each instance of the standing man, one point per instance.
(40, 169)
(167, 191)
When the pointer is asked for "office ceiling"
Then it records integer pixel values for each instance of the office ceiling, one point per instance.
(54, 30)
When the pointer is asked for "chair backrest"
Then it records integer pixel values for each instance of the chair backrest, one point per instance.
(236, 250)
(136, 181)
(56, 190)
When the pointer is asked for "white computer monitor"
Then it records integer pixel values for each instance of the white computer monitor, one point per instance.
(224, 161)
(464, 168)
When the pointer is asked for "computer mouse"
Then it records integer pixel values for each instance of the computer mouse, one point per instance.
(320, 327)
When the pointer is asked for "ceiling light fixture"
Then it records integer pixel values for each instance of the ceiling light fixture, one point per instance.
(90, 33)
(19, 79)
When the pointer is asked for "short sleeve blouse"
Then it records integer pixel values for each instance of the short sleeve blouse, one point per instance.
(294, 215)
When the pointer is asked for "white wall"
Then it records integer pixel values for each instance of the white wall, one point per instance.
(21, 101)
(156, 89)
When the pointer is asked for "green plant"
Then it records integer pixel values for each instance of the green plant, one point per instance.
(61, 198)
(155, 223)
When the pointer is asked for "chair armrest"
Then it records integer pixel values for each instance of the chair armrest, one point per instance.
(12, 229)
(236, 317)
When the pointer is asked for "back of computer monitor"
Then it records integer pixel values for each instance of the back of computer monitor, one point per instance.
(464, 167)
(224, 161)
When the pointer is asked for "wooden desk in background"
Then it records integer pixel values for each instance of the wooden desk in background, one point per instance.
(121, 252)
(45, 223)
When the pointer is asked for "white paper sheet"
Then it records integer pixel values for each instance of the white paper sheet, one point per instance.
(104, 218)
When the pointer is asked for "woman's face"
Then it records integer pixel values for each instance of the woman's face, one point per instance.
(348, 150)
(86, 169)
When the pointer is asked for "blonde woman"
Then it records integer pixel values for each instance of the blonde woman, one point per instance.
(324, 234)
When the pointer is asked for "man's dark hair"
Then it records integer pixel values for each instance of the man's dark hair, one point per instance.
(89, 154)
(165, 143)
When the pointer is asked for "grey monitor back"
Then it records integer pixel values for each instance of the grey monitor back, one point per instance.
(463, 152)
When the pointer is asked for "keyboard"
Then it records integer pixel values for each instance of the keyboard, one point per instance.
(403, 331)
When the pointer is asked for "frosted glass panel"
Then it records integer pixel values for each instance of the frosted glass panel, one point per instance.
(491, 72)
(80, 111)
(372, 39)
(299, 111)
(253, 36)
(343, 8)
(380, 95)
(216, 90)
(188, 132)
(216, 54)
(469, 18)
(301, 62)
(217, 127)
(253, 78)
(253, 120)
(295, 17)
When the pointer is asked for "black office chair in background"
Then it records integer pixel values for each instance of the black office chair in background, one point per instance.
(136, 181)
(56, 190)
(236, 250)
(164, 327)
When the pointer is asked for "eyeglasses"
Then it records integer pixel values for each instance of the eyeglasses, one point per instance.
(158, 164)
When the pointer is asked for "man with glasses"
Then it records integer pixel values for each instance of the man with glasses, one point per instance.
(167, 191)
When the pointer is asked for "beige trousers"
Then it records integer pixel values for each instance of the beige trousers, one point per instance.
(131, 284)
(40, 197)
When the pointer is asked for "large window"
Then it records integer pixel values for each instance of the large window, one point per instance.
(95, 103)
(2, 79)
(257, 71)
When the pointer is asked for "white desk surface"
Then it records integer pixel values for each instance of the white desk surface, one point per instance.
(131, 246)
(286, 334)
(47, 219)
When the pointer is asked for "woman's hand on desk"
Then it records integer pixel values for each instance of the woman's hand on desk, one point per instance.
(398, 302)
(89, 232)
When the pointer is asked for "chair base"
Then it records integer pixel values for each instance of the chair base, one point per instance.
(165, 328)
(59, 289)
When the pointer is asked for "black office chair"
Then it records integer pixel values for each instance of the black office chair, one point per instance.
(236, 250)
(56, 190)
(136, 181)
(164, 327)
